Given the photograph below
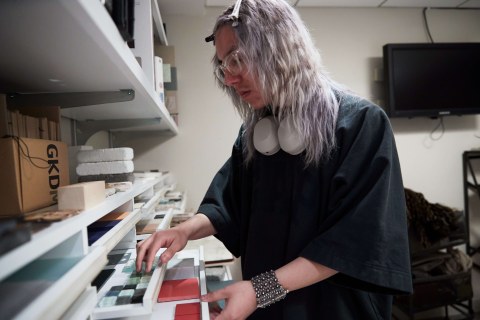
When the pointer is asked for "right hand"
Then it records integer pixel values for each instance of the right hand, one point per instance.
(173, 240)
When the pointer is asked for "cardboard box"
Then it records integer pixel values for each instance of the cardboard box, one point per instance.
(167, 53)
(30, 183)
(29, 122)
(5, 118)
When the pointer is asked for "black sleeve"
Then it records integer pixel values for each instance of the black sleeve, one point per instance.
(221, 201)
(367, 238)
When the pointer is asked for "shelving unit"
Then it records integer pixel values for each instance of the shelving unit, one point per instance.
(61, 250)
(166, 310)
(74, 46)
(150, 211)
(148, 308)
(440, 291)
(143, 308)
(470, 183)
(70, 54)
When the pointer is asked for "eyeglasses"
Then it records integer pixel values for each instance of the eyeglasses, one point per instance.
(233, 63)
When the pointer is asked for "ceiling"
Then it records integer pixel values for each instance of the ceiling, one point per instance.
(197, 7)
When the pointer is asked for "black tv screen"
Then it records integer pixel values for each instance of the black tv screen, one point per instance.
(432, 79)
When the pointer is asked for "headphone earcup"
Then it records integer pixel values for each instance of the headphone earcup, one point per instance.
(265, 137)
(289, 139)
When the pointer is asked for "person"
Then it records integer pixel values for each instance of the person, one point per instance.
(311, 197)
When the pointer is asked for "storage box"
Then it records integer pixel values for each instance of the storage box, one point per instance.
(31, 172)
(167, 53)
(45, 125)
(5, 118)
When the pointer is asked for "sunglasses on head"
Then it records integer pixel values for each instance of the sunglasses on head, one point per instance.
(233, 16)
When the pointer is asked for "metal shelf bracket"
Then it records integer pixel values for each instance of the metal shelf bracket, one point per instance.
(85, 129)
(69, 99)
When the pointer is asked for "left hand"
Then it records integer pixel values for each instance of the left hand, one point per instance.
(240, 300)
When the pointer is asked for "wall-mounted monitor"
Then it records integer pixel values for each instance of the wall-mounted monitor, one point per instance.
(432, 79)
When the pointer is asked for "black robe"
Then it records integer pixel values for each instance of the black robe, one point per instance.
(347, 214)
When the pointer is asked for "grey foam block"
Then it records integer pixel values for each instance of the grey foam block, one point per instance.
(102, 155)
(109, 167)
(108, 178)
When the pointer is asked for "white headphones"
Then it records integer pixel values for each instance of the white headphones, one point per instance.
(269, 137)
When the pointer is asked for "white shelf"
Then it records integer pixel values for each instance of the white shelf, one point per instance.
(110, 239)
(58, 298)
(163, 310)
(158, 26)
(149, 207)
(138, 309)
(164, 225)
(183, 205)
(81, 308)
(74, 46)
(166, 310)
(51, 237)
(143, 35)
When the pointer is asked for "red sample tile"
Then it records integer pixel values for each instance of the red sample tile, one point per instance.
(173, 290)
(187, 311)
(188, 317)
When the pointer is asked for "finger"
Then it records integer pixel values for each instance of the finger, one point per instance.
(142, 247)
(214, 307)
(141, 242)
(167, 255)
(150, 256)
(221, 317)
(214, 315)
(214, 310)
(170, 252)
(214, 296)
(149, 250)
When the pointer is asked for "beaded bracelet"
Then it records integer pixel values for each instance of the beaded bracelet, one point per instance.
(267, 289)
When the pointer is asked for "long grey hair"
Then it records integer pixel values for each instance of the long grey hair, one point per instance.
(280, 53)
